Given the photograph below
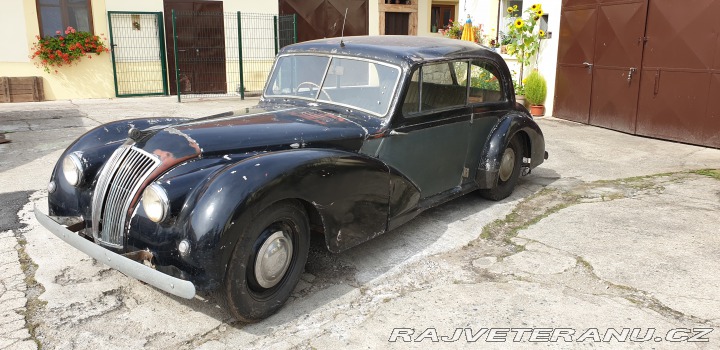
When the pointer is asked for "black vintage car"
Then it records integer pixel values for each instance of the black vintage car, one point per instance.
(351, 139)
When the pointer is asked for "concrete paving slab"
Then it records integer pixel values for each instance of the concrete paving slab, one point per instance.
(666, 245)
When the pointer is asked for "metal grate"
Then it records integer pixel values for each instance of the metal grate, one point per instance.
(225, 54)
(138, 53)
(119, 181)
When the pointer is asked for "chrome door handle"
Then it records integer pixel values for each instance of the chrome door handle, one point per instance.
(397, 133)
(588, 64)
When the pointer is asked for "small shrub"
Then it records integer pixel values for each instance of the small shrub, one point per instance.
(535, 88)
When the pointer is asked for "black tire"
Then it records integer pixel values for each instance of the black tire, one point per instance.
(506, 184)
(242, 292)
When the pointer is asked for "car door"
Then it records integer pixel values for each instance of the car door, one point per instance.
(428, 143)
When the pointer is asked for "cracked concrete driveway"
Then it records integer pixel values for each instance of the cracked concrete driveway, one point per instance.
(612, 231)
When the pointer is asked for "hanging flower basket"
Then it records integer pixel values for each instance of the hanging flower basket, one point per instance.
(55, 51)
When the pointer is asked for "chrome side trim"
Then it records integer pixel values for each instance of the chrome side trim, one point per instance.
(182, 288)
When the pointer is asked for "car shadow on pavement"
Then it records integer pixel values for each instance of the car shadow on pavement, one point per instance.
(328, 276)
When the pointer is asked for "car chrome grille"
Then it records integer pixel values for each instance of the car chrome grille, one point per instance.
(119, 181)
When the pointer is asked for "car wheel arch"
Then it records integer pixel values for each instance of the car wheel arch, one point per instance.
(241, 191)
(509, 126)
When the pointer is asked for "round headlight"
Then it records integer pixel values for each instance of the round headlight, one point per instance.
(72, 169)
(155, 203)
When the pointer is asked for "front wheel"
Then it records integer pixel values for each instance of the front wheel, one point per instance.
(508, 173)
(267, 262)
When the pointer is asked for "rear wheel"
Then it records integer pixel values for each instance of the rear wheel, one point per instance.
(267, 262)
(509, 172)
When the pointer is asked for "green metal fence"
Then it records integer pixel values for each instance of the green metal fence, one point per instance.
(137, 40)
(225, 54)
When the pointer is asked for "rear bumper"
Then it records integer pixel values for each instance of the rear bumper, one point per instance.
(182, 288)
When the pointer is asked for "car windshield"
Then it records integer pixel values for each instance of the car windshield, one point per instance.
(359, 84)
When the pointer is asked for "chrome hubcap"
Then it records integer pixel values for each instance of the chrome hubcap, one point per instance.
(507, 164)
(273, 259)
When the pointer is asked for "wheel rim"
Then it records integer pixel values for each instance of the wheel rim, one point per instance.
(273, 259)
(507, 164)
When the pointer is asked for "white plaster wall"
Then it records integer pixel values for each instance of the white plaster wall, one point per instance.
(134, 5)
(257, 6)
(374, 18)
(12, 20)
(483, 12)
(547, 59)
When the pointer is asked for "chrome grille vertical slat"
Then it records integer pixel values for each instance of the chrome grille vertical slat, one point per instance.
(106, 175)
(115, 198)
(125, 172)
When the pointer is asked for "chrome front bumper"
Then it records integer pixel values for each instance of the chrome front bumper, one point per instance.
(172, 285)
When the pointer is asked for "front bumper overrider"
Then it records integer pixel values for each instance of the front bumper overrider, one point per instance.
(182, 288)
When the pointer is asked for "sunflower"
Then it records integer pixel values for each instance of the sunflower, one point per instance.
(510, 10)
(535, 7)
(542, 33)
(536, 18)
(519, 23)
(515, 7)
(539, 12)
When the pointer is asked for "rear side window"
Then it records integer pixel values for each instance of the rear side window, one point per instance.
(437, 86)
(485, 83)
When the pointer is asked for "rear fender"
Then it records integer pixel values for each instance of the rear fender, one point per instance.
(510, 125)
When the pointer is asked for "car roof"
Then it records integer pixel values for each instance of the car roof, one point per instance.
(396, 49)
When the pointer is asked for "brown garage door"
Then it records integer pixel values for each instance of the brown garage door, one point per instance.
(641, 67)
(681, 73)
(319, 19)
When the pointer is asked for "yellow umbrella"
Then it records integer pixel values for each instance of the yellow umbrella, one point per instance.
(468, 32)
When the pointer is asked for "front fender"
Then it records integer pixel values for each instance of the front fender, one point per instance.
(510, 125)
(350, 192)
(94, 149)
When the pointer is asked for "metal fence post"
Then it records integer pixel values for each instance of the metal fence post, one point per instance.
(277, 38)
(294, 28)
(175, 48)
(161, 41)
(112, 53)
(240, 53)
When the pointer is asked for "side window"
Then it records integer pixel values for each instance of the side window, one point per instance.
(57, 15)
(484, 83)
(437, 86)
(411, 104)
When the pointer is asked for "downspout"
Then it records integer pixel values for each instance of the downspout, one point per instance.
(497, 25)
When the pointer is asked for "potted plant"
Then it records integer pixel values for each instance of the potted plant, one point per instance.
(536, 92)
(66, 49)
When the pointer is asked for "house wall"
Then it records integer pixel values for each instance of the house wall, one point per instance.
(483, 12)
(547, 58)
(424, 15)
(14, 46)
(89, 78)
(486, 13)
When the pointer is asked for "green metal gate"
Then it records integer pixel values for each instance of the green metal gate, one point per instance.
(137, 40)
(217, 54)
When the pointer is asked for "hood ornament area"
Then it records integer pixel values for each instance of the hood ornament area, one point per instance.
(138, 135)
